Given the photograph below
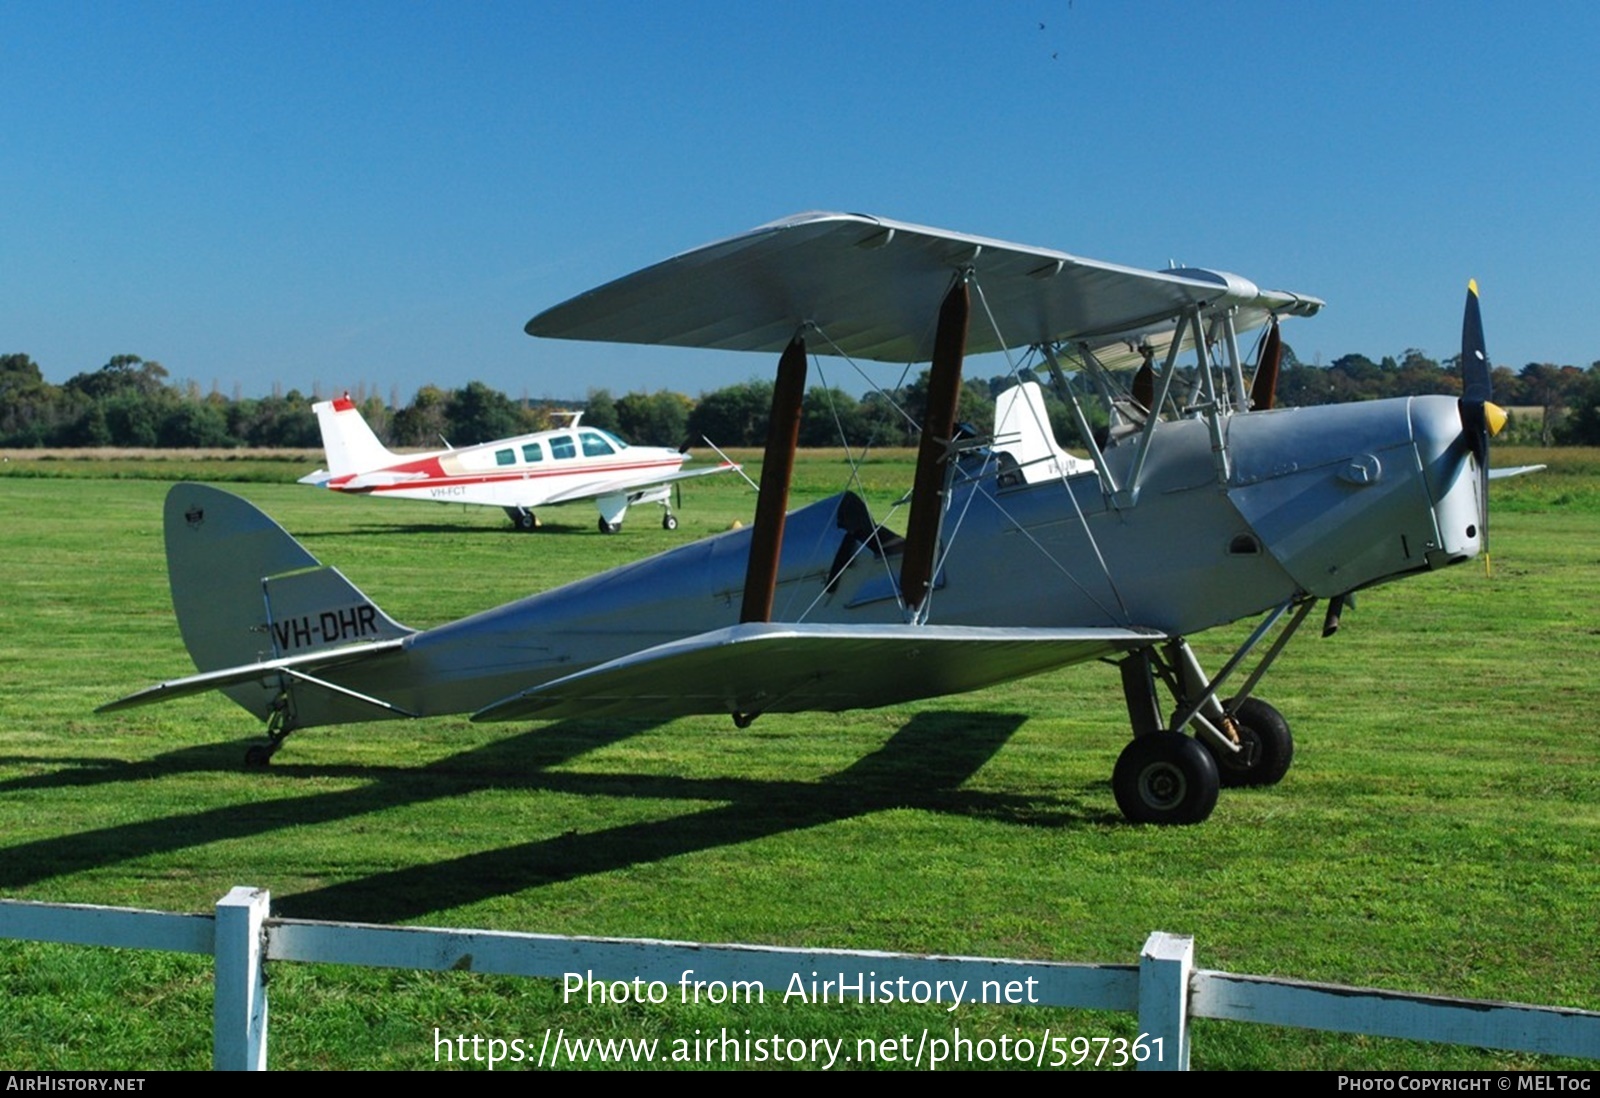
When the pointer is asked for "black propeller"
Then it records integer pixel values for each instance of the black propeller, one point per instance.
(1481, 418)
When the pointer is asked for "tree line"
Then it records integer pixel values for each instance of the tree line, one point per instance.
(132, 402)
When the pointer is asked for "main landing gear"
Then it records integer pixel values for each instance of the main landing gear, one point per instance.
(1166, 777)
(523, 519)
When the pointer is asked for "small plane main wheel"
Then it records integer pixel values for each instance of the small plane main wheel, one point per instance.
(609, 527)
(257, 755)
(1165, 778)
(527, 521)
(669, 521)
(1267, 748)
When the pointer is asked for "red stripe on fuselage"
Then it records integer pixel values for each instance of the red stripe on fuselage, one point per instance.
(436, 476)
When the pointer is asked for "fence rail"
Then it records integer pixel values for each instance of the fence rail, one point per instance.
(1163, 988)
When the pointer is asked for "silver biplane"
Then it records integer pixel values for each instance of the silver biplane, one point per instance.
(1199, 505)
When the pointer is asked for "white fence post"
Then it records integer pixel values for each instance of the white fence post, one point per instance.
(1164, 968)
(239, 1018)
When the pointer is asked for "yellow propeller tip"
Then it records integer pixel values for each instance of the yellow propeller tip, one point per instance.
(1472, 287)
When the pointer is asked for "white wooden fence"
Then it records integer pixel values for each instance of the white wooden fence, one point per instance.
(1163, 989)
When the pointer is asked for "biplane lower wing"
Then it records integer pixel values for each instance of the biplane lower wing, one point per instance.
(787, 668)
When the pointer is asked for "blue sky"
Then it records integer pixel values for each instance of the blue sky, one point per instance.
(339, 194)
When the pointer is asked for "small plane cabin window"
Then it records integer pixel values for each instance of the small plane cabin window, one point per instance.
(505, 457)
(594, 445)
(562, 446)
(532, 451)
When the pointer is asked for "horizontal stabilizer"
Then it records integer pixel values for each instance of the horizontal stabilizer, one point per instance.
(250, 672)
(785, 668)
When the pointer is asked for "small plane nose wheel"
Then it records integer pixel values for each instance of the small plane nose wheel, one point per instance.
(1165, 778)
(609, 527)
(669, 521)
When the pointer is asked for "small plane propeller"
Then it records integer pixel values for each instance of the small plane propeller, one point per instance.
(1481, 418)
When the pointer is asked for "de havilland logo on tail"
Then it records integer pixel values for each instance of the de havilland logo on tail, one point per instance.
(1200, 504)
(572, 463)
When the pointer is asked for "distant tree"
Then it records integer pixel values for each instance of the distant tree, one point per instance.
(832, 417)
(30, 407)
(601, 411)
(423, 422)
(132, 421)
(655, 419)
(1582, 424)
(193, 424)
(478, 413)
(122, 374)
(733, 416)
(1551, 388)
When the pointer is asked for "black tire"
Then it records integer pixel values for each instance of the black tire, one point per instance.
(669, 521)
(1268, 747)
(257, 755)
(527, 522)
(609, 527)
(1165, 778)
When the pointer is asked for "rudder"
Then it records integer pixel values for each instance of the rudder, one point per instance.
(349, 443)
(244, 590)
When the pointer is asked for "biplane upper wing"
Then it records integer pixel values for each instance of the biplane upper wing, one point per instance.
(790, 668)
(870, 286)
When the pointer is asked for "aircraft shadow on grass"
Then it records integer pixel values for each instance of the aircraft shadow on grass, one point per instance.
(922, 766)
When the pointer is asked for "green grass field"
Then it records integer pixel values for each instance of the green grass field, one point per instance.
(1439, 833)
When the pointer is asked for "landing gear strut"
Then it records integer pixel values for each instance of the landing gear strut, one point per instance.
(522, 518)
(1166, 777)
(278, 728)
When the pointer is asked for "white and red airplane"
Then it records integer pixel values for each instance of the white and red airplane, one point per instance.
(515, 474)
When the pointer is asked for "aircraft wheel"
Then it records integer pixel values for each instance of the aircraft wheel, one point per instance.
(1268, 747)
(257, 755)
(1165, 778)
(669, 521)
(609, 527)
(527, 521)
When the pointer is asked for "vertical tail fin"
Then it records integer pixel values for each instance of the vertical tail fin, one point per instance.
(1022, 429)
(245, 591)
(350, 444)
